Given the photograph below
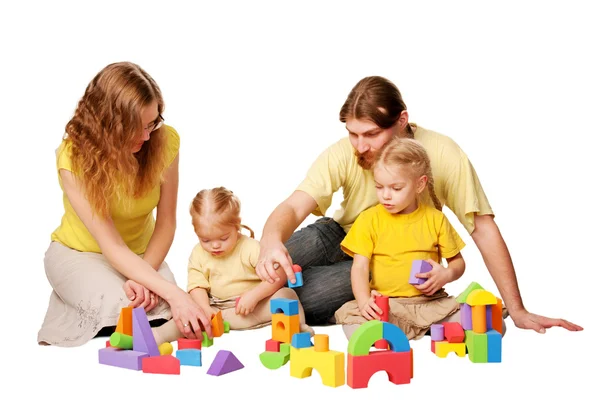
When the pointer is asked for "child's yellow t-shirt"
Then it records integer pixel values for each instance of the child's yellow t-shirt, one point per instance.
(134, 221)
(392, 241)
(227, 276)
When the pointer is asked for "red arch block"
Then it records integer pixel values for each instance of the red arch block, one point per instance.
(398, 365)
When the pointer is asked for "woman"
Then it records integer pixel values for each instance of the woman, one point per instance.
(116, 164)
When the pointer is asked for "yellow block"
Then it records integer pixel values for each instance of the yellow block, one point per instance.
(480, 297)
(329, 364)
(442, 349)
(283, 327)
(165, 349)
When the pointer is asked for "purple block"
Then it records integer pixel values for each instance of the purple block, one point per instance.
(488, 317)
(437, 332)
(129, 359)
(143, 339)
(466, 316)
(224, 363)
(418, 267)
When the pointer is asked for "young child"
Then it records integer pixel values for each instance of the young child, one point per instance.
(221, 268)
(385, 239)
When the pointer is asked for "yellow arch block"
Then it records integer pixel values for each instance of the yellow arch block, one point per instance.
(330, 365)
(480, 297)
(442, 349)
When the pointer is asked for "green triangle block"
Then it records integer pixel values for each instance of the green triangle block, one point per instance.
(462, 298)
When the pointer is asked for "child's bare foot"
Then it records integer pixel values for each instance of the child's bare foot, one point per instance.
(306, 328)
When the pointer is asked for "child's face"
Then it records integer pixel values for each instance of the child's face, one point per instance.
(217, 239)
(397, 188)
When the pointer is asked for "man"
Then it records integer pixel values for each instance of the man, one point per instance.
(373, 113)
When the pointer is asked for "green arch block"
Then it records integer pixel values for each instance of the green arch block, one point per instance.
(363, 338)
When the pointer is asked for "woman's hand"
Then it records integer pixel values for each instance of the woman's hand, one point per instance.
(189, 317)
(140, 296)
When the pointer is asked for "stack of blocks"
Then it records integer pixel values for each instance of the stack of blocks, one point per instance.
(479, 331)
(363, 363)
(304, 357)
(285, 323)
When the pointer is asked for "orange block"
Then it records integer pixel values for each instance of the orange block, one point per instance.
(497, 316)
(479, 319)
(283, 327)
(322, 342)
(125, 325)
(216, 323)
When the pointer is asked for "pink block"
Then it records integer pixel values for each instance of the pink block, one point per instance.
(418, 267)
(129, 359)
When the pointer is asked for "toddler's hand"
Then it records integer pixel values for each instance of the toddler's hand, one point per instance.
(369, 310)
(436, 278)
(245, 304)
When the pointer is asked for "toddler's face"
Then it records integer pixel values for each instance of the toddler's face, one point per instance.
(397, 188)
(217, 239)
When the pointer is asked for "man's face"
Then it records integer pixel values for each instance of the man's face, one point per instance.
(367, 139)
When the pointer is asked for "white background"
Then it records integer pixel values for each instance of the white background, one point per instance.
(254, 89)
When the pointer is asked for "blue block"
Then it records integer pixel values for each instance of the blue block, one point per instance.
(395, 337)
(191, 357)
(301, 340)
(286, 306)
(494, 343)
(299, 281)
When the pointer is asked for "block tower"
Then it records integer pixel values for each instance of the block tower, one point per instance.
(479, 331)
(285, 323)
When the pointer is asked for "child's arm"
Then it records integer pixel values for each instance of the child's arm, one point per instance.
(264, 289)
(200, 296)
(439, 276)
(365, 298)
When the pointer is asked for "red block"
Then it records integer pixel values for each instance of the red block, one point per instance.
(398, 365)
(272, 345)
(108, 343)
(453, 332)
(161, 365)
(433, 346)
(185, 343)
(383, 302)
(296, 268)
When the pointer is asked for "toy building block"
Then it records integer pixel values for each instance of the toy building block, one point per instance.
(206, 342)
(121, 341)
(273, 345)
(226, 327)
(477, 346)
(301, 340)
(329, 363)
(185, 343)
(462, 298)
(284, 327)
(437, 332)
(466, 316)
(108, 343)
(368, 333)
(397, 365)
(497, 315)
(480, 297)
(125, 324)
(383, 302)
(165, 349)
(444, 347)
(298, 274)
(192, 357)
(453, 332)
(274, 360)
(167, 365)
(129, 359)
(478, 314)
(216, 322)
(418, 267)
(285, 306)
(143, 339)
(224, 363)
(494, 346)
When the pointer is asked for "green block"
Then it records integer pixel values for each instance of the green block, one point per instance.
(225, 326)
(477, 347)
(206, 342)
(462, 298)
(121, 341)
(284, 348)
(274, 360)
(363, 338)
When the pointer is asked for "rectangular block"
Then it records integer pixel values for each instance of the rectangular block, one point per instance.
(191, 357)
(299, 280)
(497, 315)
(477, 346)
(285, 306)
(418, 267)
(128, 359)
(185, 343)
(284, 327)
(494, 345)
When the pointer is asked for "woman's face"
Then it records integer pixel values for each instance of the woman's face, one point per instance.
(150, 119)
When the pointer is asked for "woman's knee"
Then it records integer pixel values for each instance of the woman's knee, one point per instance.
(285, 293)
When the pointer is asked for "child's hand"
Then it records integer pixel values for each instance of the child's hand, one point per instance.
(369, 310)
(246, 303)
(436, 278)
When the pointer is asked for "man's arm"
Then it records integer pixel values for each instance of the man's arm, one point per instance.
(280, 225)
(496, 256)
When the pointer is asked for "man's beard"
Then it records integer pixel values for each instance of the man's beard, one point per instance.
(366, 159)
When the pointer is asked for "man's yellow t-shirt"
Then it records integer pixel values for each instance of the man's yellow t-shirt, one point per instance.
(392, 241)
(133, 219)
(456, 183)
(227, 276)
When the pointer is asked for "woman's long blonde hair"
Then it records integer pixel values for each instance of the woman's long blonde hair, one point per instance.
(219, 203)
(401, 151)
(105, 126)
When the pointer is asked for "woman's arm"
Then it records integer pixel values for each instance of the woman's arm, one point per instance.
(166, 212)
